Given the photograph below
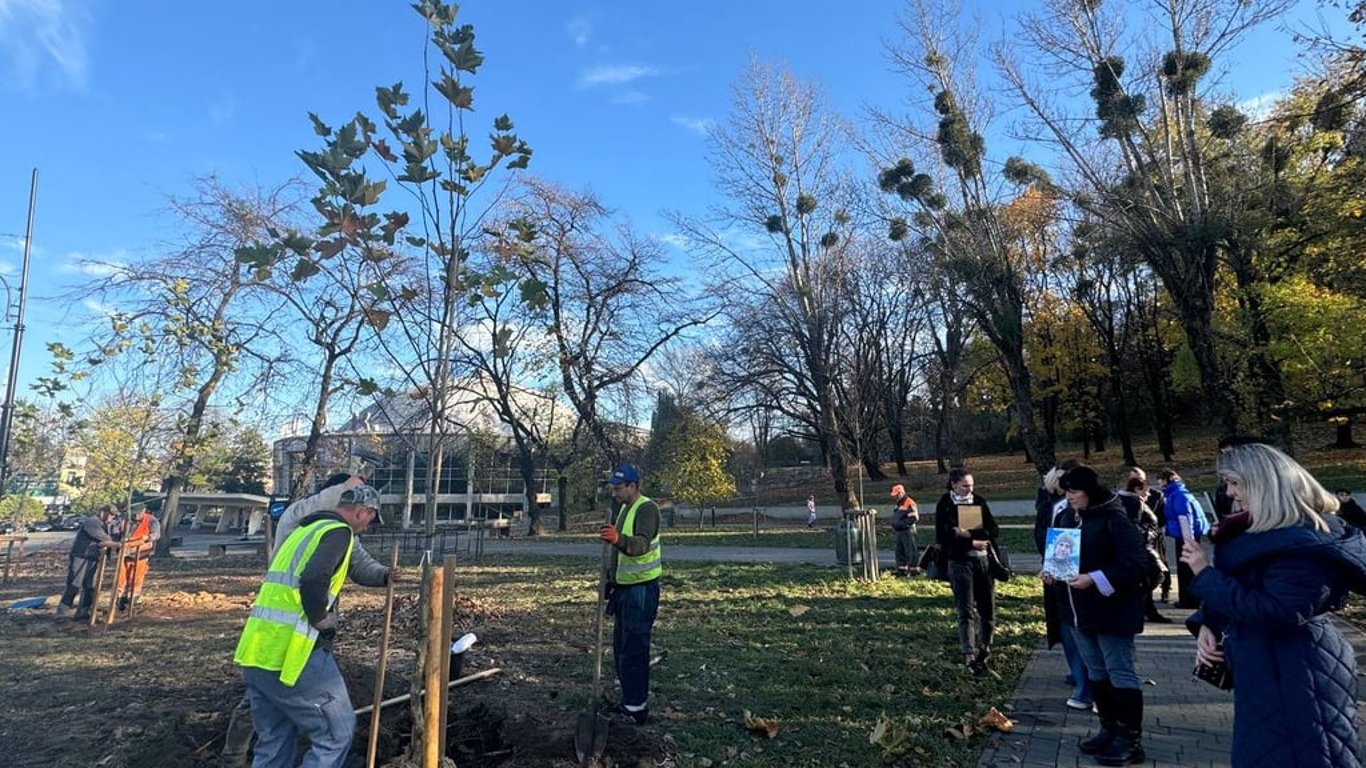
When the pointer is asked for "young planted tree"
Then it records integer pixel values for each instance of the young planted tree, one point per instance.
(447, 188)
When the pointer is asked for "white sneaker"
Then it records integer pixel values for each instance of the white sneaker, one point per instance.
(1075, 703)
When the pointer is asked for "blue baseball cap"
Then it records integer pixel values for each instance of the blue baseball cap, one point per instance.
(624, 475)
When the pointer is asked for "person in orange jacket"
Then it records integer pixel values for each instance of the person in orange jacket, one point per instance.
(904, 519)
(142, 531)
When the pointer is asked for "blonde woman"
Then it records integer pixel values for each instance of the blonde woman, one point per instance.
(1284, 564)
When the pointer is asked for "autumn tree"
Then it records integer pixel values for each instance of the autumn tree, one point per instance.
(1140, 157)
(199, 313)
(694, 463)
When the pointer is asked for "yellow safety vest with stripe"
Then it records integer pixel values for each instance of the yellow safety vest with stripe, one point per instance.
(278, 635)
(646, 567)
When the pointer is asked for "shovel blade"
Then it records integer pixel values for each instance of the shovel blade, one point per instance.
(590, 736)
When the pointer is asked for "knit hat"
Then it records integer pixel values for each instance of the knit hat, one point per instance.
(1083, 478)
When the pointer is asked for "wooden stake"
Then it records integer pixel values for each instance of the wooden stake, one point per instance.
(447, 611)
(431, 672)
(383, 654)
(118, 584)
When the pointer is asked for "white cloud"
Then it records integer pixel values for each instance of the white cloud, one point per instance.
(38, 33)
(674, 240)
(95, 265)
(104, 310)
(618, 74)
(579, 29)
(1259, 107)
(699, 125)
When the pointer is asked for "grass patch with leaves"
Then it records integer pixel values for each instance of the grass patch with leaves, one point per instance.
(823, 655)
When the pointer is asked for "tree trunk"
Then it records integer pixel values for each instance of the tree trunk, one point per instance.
(170, 516)
(1344, 434)
(526, 464)
(897, 436)
(1193, 298)
(561, 489)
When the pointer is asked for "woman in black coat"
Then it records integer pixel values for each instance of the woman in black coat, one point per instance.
(974, 590)
(1107, 600)
(1051, 511)
(1283, 564)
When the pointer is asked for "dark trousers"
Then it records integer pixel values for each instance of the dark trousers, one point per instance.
(974, 598)
(634, 608)
(80, 579)
(1184, 577)
(907, 553)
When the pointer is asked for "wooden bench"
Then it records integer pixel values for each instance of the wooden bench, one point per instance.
(239, 547)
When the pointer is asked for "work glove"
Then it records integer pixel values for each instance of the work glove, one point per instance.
(610, 534)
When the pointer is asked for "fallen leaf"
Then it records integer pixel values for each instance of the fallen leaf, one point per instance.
(766, 726)
(798, 610)
(894, 739)
(994, 719)
(732, 752)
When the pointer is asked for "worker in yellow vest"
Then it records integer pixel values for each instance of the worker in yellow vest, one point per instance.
(286, 647)
(634, 601)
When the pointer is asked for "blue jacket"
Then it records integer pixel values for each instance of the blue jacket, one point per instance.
(1295, 683)
(1178, 501)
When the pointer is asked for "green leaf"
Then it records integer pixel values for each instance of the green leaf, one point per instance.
(462, 97)
(304, 269)
(319, 127)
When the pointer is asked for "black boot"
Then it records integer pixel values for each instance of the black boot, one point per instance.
(1150, 613)
(1127, 747)
(1103, 694)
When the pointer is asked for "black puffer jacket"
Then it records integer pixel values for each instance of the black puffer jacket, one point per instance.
(1113, 546)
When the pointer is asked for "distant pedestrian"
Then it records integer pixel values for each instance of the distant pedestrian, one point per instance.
(1349, 510)
(905, 517)
(965, 548)
(1284, 563)
(1178, 503)
(81, 563)
(1135, 491)
(810, 511)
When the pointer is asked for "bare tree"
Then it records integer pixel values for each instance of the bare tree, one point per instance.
(777, 246)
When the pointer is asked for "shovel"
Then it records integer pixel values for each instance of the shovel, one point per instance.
(590, 733)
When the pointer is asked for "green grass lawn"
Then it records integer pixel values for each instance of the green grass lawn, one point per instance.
(825, 656)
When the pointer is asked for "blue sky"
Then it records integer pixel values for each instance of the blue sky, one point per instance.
(120, 103)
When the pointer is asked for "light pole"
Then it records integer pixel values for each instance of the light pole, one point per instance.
(7, 410)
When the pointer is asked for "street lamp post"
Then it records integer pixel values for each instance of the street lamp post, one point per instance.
(7, 410)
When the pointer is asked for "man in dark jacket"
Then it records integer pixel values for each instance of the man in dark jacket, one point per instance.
(1349, 510)
(965, 548)
(82, 560)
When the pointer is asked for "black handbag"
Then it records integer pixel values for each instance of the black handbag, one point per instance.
(998, 562)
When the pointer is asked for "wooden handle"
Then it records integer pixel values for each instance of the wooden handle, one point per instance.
(383, 658)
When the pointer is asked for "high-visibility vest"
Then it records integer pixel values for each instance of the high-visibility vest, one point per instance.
(646, 567)
(278, 635)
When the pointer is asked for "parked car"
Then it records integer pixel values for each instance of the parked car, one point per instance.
(70, 523)
(41, 526)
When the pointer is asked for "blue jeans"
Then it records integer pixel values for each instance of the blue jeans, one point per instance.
(634, 608)
(316, 706)
(1075, 665)
(1109, 657)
